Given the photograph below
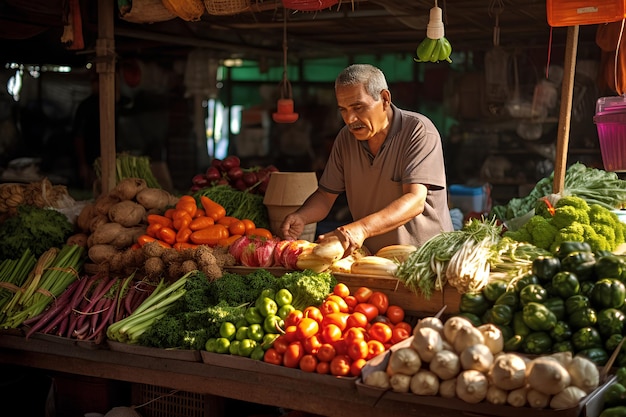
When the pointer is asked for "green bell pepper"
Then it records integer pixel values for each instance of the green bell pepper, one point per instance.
(513, 344)
(267, 306)
(475, 303)
(611, 321)
(561, 331)
(580, 263)
(565, 284)
(615, 394)
(557, 306)
(519, 326)
(532, 293)
(564, 346)
(576, 302)
(583, 317)
(527, 279)
(619, 411)
(587, 338)
(565, 248)
(545, 267)
(611, 266)
(608, 292)
(538, 317)
(537, 343)
(473, 318)
(495, 289)
(509, 298)
(611, 343)
(598, 356)
(620, 375)
(501, 314)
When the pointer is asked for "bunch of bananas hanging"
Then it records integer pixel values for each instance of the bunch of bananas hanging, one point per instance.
(434, 50)
(435, 47)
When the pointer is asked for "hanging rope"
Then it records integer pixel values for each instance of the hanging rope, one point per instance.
(285, 87)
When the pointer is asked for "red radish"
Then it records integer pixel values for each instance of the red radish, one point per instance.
(235, 173)
(231, 161)
(249, 178)
(200, 180)
(213, 174)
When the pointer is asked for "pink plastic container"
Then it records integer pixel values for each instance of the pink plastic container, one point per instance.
(610, 120)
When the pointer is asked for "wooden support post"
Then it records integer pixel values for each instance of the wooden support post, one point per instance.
(565, 114)
(105, 66)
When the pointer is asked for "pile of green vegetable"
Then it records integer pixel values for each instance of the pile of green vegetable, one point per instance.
(571, 301)
(571, 219)
(595, 186)
(197, 314)
(614, 397)
(34, 228)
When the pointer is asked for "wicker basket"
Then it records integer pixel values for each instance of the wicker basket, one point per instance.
(226, 7)
(144, 11)
(189, 10)
(309, 5)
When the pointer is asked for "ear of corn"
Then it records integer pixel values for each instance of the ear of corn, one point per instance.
(398, 253)
(374, 265)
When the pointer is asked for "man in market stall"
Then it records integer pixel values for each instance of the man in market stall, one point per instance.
(390, 164)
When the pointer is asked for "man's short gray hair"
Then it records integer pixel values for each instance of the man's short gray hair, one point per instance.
(371, 77)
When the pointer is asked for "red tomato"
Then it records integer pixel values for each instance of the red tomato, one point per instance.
(363, 294)
(380, 300)
(293, 318)
(398, 334)
(308, 363)
(341, 289)
(370, 310)
(314, 313)
(352, 302)
(331, 333)
(341, 347)
(406, 326)
(295, 351)
(338, 319)
(306, 328)
(340, 365)
(322, 367)
(380, 331)
(272, 356)
(395, 314)
(357, 319)
(291, 333)
(357, 366)
(329, 306)
(358, 349)
(280, 344)
(374, 348)
(343, 306)
(312, 344)
(354, 334)
(326, 352)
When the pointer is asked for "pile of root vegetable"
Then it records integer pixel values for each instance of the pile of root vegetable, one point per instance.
(110, 226)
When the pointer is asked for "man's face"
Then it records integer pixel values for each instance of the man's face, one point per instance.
(364, 116)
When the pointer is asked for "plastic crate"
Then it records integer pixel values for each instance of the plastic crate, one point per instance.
(584, 12)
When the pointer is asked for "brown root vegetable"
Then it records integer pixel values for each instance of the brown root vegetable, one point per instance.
(79, 239)
(212, 271)
(153, 198)
(97, 221)
(83, 221)
(102, 253)
(152, 249)
(107, 233)
(127, 213)
(171, 256)
(128, 236)
(116, 262)
(154, 267)
(104, 203)
(188, 266)
(128, 188)
(174, 271)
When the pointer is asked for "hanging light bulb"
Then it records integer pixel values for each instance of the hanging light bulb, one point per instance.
(284, 107)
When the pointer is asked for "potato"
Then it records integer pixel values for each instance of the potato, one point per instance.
(97, 221)
(107, 233)
(153, 198)
(127, 213)
(128, 188)
(83, 220)
(79, 239)
(128, 236)
(104, 203)
(101, 253)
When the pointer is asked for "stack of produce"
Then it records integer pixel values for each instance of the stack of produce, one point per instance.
(458, 360)
(115, 220)
(570, 302)
(40, 194)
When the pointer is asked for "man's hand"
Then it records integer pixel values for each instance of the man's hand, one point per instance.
(292, 227)
(351, 237)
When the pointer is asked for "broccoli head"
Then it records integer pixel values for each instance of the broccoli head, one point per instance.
(597, 241)
(538, 231)
(573, 201)
(566, 215)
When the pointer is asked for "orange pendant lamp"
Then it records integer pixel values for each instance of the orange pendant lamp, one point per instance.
(284, 107)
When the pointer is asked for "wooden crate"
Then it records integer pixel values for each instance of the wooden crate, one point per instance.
(414, 304)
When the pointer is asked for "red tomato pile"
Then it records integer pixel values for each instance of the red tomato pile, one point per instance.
(339, 336)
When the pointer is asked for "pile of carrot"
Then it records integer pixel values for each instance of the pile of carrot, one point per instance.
(189, 224)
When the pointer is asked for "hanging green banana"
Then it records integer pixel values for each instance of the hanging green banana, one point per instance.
(425, 50)
(446, 50)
